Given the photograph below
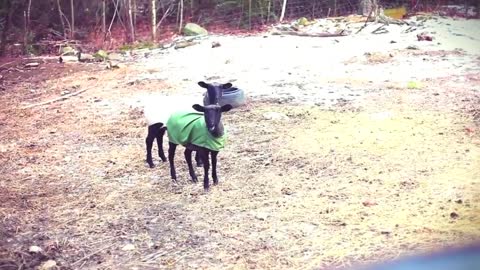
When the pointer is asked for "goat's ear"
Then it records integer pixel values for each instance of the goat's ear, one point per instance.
(226, 108)
(203, 84)
(198, 108)
(226, 85)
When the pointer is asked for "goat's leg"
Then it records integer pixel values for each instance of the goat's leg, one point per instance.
(191, 170)
(160, 134)
(198, 159)
(149, 143)
(214, 167)
(204, 156)
(171, 159)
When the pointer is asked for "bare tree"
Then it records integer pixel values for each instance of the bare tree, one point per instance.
(284, 6)
(26, 15)
(181, 17)
(104, 19)
(165, 14)
(249, 14)
(60, 15)
(134, 8)
(154, 20)
(8, 18)
(130, 19)
(72, 25)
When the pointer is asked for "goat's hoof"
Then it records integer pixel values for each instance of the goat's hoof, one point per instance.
(164, 159)
(215, 182)
(206, 189)
(199, 164)
(194, 179)
(150, 164)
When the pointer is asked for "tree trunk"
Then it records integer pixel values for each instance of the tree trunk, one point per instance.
(3, 38)
(72, 26)
(130, 19)
(134, 8)
(60, 15)
(154, 20)
(268, 10)
(249, 14)
(104, 18)
(181, 17)
(284, 6)
(26, 37)
(478, 9)
(334, 8)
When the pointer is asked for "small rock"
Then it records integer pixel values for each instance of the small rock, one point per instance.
(275, 116)
(454, 215)
(413, 47)
(192, 29)
(386, 232)
(287, 191)
(459, 201)
(424, 36)
(128, 247)
(369, 203)
(215, 44)
(261, 216)
(35, 249)
(48, 265)
(34, 64)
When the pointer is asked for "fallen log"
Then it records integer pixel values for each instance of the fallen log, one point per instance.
(61, 98)
(303, 34)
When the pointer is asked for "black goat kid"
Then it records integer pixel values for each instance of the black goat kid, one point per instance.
(203, 133)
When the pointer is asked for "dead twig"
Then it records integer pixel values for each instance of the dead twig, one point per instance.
(380, 30)
(164, 16)
(59, 98)
(8, 63)
(93, 253)
(366, 21)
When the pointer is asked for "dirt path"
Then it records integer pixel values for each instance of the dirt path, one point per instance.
(339, 181)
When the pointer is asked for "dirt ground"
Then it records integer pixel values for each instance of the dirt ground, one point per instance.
(356, 169)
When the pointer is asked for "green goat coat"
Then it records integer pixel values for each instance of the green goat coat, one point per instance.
(189, 127)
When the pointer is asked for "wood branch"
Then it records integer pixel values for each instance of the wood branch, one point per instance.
(164, 15)
(380, 30)
(92, 254)
(119, 14)
(366, 21)
(60, 15)
(6, 64)
(303, 34)
(113, 17)
(65, 97)
(284, 6)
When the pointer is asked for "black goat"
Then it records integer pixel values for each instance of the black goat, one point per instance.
(203, 133)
